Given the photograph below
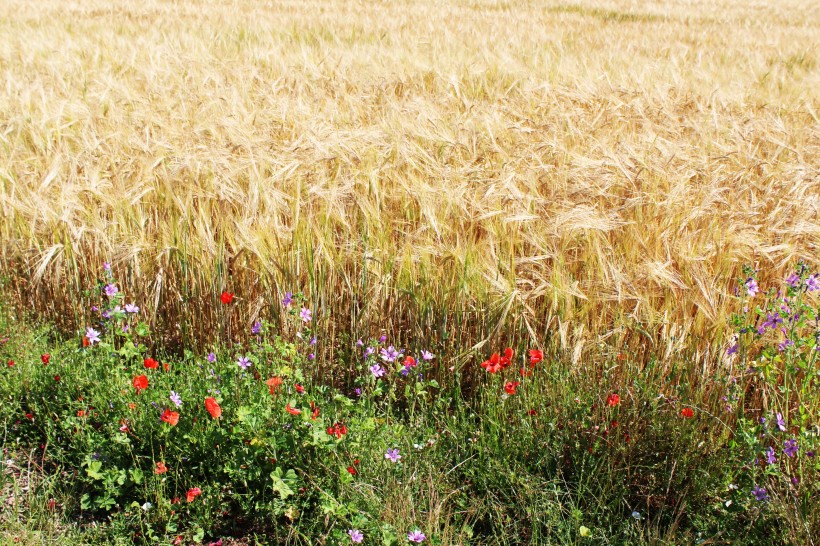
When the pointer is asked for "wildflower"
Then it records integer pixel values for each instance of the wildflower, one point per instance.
(416, 536)
(110, 290)
(356, 536)
(243, 362)
(193, 493)
(274, 383)
(751, 287)
(790, 447)
(56, 378)
(306, 315)
(813, 282)
(536, 356)
(81, 413)
(793, 280)
(636, 515)
(338, 430)
(30, 416)
(687, 413)
(760, 493)
(226, 298)
(376, 370)
(10, 363)
(150, 363)
(140, 383)
(161, 468)
(409, 362)
(781, 424)
(292, 411)
(369, 351)
(92, 335)
(506, 360)
(256, 328)
(147, 506)
(393, 455)
(525, 372)
(732, 349)
(299, 388)
(107, 266)
(532, 412)
(311, 356)
(772, 321)
(352, 471)
(213, 407)
(45, 358)
(382, 339)
(288, 299)
(176, 399)
(359, 343)
(510, 387)
(170, 417)
(390, 354)
(493, 364)
(613, 400)
(314, 410)
(427, 355)
(131, 308)
(770, 458)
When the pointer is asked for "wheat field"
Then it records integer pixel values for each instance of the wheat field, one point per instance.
(456, 169)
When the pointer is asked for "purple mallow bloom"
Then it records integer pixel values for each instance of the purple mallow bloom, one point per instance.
(790, 447)
(405, 371)
(770, 458)
(359, 343)
(392, 455)
(288, 299)
(131, 308)
(813, 282)
(427, 355)
(358, 391)
(759, 493)
(244, 362)
(781, 424)
(369, 351)
(306, 315)
(176, 399)
(793, 280)
(390, 354)
(92, 335)
(751, 287)
(772, 320)
(356, 536)
(313, 340)
(311, 356)
(110, 290)
(211, 358)
(382, 339)
(107, 266)
(416, 536)
(376, 370)
(256, 328)
(732, 349)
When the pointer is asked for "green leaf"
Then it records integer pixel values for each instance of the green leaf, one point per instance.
(136, 475)
(93, 470)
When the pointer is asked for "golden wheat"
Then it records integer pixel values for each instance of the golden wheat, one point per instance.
(455, 169)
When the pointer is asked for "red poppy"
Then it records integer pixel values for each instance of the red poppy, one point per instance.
(300, 389)
(161, 468)
(506, 360)
(688, 413)
(352, 470)
(10, 363)
(493, 365)
(81, 413)
(613, 400)
(86, 343)
(45, 358)
(193, 493)
(166, 366)
(536, 356)
(150, 363)
(140, 383)
(170, 417)
(212, 407)
(226, 298)
(56, 378)
(409, 362)
(314, 410)
(510, 387)
(621, 356)
(338, 430)
(274, 383)
(292, 411)
(30, 416)
(356, 462)
(532, 412)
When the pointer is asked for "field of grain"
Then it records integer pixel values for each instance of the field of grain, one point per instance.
(455, 169)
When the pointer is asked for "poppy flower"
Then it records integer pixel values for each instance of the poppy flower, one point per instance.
(525, 372)
(409, 362)
(314, 410)
(193, 493)
(536, 356)
(510, 387)
(352, 471)
(166, 366)
(56, 378)
(274, 383)
(132, 406)
(140, 383)
(226, 298)
(687, 413)
(45, 358)
(300, 389)
(30, 416)
(161, 468)
(150, 363)
(10, 363)
(338, 430)
(532, 412)
(493, 364)
(506, 360)
(86, 343)
(170, 417)
(613, 400)
(292, 411)
(81, 413)
(212, 407)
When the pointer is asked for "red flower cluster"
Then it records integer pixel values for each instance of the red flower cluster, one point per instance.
(687, 413)
(496, 363)
(613, 400)
(510, 387)
(45, 358)
(314, 410)
(338, 430)
(274, 383)
(193, 493)
(292, 410)
(226, 298)
(150, 363)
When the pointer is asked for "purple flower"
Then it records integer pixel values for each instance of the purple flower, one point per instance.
(313, 340)
(125, 329)
(110, 290)
(751, 287)
(176, 399)
(107, 266)
(356, 536)
(369, 351)
(106, 314)
(405, 371)
(211, 358)
(759, 493)
(793, 280)
(306, 315)
(393, 455)
(790, 447)
(770, 458)
(427, 355)
(732, 349)
(785, 345)
(358, 391)
(781, 424)
(256, 328)
(416, 536)
(390, 354)
(311, 356)
(359, 343)
(92, 335)
(288, 299)
(131, 308)
(376, 370)
(244, 362)
(382, 339)
(772, 320)
(813, 282)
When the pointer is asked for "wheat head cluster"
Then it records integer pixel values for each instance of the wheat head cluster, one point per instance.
(458, 169)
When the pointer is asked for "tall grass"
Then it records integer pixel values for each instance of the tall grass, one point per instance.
(455, 170)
